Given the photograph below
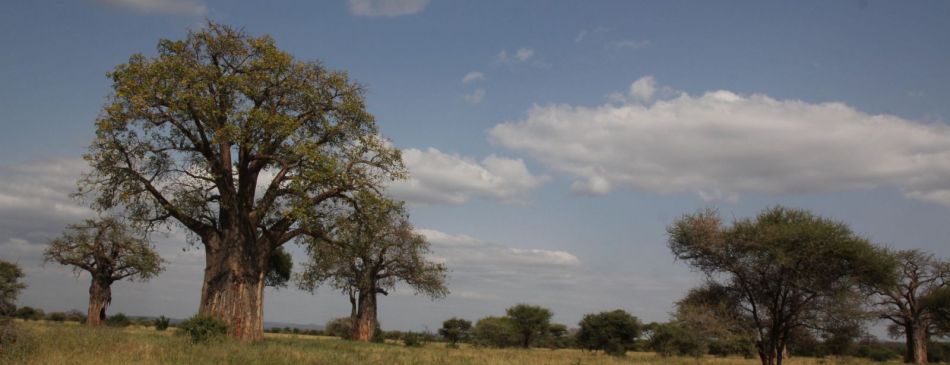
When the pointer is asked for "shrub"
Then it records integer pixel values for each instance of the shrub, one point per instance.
(203, 328)
(455, 330)
(340, 327)
(75, 316)
(495, 332)
(29, 313)
(161, 323)
(613, 332)
(670, 339)
(412, 339)
(118, 320)
(56, 316)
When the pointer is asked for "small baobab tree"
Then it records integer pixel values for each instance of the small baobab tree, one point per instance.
(110, 251)
(367, 253)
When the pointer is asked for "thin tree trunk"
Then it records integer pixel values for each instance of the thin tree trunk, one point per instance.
(365, 324)
(100, 296)
(233, 287)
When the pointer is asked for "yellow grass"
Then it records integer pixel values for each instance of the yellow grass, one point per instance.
(64, 343)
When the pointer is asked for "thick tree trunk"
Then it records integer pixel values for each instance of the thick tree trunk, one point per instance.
(916, 337)
(364, 326)
(100, 296)
(234, 284)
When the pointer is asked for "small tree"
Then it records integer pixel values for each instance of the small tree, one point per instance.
(613, 332)
(901, 301)
(455, 330)
(530, 322)
(495, 332)
(11, 284)
(110, 251)
(368, 253)
(784, 267)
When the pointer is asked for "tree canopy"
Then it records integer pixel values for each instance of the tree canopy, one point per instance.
(783, 267)
(530, 322)
(614, 332)
(240, 143)
(11, 284)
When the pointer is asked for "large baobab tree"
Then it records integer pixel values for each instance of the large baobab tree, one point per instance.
(242, 145)
(918, 275)
(109, 251)
(782, 268)
(367, 253)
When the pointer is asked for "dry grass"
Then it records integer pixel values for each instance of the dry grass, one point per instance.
(62, 343)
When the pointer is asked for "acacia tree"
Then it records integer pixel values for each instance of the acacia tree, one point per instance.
(614, 332)
(529, 321)
(455, 330)
(784, 267)
(10, 287)
(241, 144)
(110, 251)
(367, 253)
(902, 301)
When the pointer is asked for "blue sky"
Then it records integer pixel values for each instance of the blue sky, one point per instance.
(550, 142)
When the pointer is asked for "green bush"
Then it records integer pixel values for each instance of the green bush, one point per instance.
(56, 316)
(203, 328)
(613, 332)
(161, 323)
(29, 313)
(340, 327)
(412, 339)
(76, 316)
(495, 332)
(877, 353)
(118, 320)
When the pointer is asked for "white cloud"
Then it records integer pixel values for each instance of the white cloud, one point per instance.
(479, 254)
(721, 144)
(475, 97)
(437, 177)
(472, 77)
(522, 54)
(176, 7)
(630, 44)
(580, 36)
(387, 8)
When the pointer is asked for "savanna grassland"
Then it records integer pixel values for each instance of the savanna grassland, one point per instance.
(69, 343)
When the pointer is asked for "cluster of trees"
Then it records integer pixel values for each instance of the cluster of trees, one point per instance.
(246, 148)
(787, 275)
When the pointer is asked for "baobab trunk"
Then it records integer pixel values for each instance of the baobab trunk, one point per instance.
(916, 336)
(234, 284)
(365, 324)
(100, 296)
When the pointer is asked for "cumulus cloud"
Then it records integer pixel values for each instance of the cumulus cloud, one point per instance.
(386, 8)
(175, 7)
(437, 177)
(721, 144)
(475, 97)
(522, 54)
(472, 77)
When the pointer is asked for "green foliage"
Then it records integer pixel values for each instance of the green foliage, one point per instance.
(75, 316)
(279, 268)
(938, 304)
(782, 256)
(108, 249)
(56, 316)
(413, 339)
(877, 352)
(118, 320)
(11, 284)
(614, 332)
(162, 323)
(203, 328)
(558, 337)
(455, 330)
(669, 339)
(29, 313)
(495, 332)
(530, 322)
(340, 327)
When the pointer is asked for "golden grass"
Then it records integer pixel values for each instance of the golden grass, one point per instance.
(51, 343)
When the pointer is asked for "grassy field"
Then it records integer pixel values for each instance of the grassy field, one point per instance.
(69, 343)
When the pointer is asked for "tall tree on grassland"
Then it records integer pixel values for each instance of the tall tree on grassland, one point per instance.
(10, 287)
(241, 144)
(902, 301)
(110, 251)
(783, 266)
(530, 322)
(367, 253)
